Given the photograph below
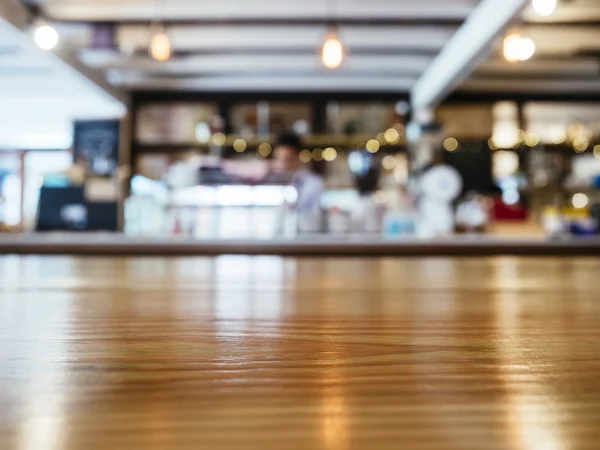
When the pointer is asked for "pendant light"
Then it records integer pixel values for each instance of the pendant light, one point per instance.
(332, 52)
(160, 45)
(45, 36)
(518, 47)
(544, 7)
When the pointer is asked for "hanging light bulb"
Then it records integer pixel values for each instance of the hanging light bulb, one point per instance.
(46, 37)
(160, 47)
(544, 7)
(518, 48)
(333, 51)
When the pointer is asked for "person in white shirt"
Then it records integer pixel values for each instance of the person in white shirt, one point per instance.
(309, 185)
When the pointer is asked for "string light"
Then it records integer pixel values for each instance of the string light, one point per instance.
(532, 139)
(451, 144)
(373, 146)
(392, 136)
(264, 149)
(305, 156)
(240, 145)
(219, 139)
(581, 144)
(329, 154)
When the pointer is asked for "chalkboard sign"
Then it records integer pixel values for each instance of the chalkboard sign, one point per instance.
(96, 145)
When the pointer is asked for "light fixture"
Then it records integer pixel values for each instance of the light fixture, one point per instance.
(46, 37)
(333, 51)
(160, 46)
(544, 7)
(517, 47)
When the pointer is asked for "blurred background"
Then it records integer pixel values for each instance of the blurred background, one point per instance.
(416, 119)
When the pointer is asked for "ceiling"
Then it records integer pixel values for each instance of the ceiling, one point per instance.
(567, 59)
(273, 45)
(261, 45)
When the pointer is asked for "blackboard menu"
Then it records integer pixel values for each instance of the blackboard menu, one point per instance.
(96, 145)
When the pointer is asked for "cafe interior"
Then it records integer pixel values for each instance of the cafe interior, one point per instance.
(160, 121)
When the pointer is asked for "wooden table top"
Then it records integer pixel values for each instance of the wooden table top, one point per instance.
(264, 352)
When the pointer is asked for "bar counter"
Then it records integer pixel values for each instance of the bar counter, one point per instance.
(314, 245)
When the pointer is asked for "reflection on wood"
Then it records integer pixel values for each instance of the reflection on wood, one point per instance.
(278, 353)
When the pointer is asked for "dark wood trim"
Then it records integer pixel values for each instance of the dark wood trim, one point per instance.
(284, 22)
(85, 244)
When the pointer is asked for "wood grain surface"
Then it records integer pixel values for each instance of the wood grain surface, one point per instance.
(251, 352)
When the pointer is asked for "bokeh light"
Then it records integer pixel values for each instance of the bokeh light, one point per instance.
(597, 151)
(264, 149)
(580, 200)
(329, 154)
(392, 136)
(451, 144)
(219, 139)
(518, 48)
(305, 156)
(389, 162)
(581, 144)
(239, 145)
(373, 146)
(544, 7)
(46, 37)
(532, 139)
(160, 47)
(333, 52)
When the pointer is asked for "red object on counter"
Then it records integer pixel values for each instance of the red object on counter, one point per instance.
(502, 211)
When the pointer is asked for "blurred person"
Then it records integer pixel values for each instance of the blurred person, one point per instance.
(287, 162)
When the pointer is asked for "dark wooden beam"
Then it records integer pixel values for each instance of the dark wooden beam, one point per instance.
(297, 21)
